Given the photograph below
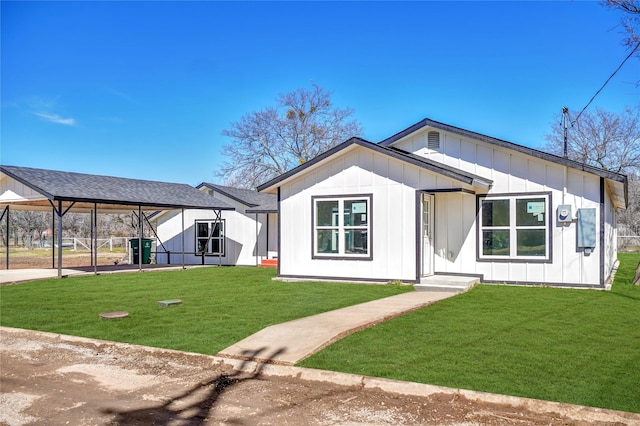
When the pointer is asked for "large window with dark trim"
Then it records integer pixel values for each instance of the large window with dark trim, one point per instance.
(342, 226)
(210, 237)
(514, 227)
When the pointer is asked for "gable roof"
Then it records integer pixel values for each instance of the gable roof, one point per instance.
(111, 193)
(618, 182)
(248, 197)
(396, 153)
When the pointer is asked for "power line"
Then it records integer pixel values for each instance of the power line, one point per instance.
(605, 83)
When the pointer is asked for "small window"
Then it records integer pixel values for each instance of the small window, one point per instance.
(433, 140)
(514, 227)
(210, 237)
(341, 227)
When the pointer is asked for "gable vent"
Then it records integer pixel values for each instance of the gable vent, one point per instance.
(433, 140)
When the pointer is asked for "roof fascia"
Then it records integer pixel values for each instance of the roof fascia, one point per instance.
(143, 204)
(504, 144)
(464, 177)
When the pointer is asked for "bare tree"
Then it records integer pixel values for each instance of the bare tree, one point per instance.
(608, 141)
(630, 21)
(602, 139)
(27, 227)
(303, 124)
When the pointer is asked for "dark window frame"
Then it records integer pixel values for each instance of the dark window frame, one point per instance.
(512, 197)
(341, 227)
(221, 239)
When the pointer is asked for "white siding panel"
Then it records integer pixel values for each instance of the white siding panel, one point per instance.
(468, 156)
(518, 272)
(535, 272)
(411, 176)
(519, 174)
(427, 180)
(484, 165)
(452, 150)
(396, 171)
(366, 166)
(501, 168)
(500, 272)
(12, 191)
(537, 177)
(554, 177)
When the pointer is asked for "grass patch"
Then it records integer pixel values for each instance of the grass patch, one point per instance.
(574, 346)
(220, 305)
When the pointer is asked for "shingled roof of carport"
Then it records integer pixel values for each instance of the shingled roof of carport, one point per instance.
(104, 192)
(24, 188)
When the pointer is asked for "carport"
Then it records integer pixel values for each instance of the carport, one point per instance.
(24, 188)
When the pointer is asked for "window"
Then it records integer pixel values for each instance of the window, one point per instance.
(341, 226)
(210, 237)
(514, 227)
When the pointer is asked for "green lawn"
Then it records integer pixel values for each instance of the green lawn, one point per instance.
(574, 346)
(220, 305)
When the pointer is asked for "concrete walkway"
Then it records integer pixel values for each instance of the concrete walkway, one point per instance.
(14, 276)
(293, 341)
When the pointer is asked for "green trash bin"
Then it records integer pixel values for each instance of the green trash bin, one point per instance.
(146, 250)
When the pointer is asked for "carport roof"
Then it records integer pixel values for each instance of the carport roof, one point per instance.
(36, 189)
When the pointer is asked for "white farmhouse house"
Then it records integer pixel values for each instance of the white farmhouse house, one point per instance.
(246, 235)
(437, 199)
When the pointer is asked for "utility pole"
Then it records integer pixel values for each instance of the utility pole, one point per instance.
(565, 123)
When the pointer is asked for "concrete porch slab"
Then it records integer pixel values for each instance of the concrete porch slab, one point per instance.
(449, 283)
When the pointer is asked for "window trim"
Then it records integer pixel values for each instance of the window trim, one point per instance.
(341, 199)
(222, 239)
(512, 197)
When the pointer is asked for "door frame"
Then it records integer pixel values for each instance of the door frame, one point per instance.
(426, 259)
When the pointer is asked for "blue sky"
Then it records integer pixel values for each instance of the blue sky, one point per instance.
(144, 89)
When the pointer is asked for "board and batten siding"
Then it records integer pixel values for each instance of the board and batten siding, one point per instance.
(392, 185)
(240, 235)
(515, 173)
(11, 191)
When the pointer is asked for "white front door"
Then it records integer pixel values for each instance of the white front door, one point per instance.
(427, 234)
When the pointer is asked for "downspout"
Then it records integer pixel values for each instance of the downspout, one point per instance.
(257, 240)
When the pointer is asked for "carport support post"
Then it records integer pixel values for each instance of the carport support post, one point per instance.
(6, 212)
(53, 237)
(59, 213)
(95, 238)
(140, 224)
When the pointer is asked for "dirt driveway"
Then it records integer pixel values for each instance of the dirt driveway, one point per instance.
(62, 380)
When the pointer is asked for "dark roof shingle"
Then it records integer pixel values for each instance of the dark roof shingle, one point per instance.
(109, 190)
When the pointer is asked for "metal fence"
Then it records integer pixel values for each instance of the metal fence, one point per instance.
(71, 243)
